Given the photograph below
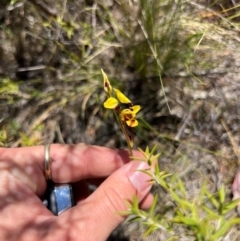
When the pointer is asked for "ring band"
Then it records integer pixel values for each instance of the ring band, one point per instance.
(58, 197)
(47, 162)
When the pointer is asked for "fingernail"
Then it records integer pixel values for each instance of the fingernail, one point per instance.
(139, 179)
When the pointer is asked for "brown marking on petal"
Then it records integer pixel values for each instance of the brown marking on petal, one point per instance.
(107, 87)
(128, 117)
(132, 122)
(118, 110)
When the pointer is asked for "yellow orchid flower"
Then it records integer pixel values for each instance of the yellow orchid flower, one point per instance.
(106, 84)
(110, 103)
(128, 115)
(122, 98)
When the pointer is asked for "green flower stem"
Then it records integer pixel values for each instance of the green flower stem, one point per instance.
(124, 132)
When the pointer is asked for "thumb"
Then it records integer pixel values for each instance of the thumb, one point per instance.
(99, 210)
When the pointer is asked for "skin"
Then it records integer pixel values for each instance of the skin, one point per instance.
(22, 184)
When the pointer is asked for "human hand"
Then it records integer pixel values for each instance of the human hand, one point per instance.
(23, 217)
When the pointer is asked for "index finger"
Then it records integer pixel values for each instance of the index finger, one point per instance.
(74, 162)
(70, 162)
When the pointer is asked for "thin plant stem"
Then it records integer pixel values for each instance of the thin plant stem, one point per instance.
(127, 138)
(124, 132)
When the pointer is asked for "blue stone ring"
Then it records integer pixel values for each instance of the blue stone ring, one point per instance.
(58, 197)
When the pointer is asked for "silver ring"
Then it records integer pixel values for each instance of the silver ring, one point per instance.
(47, 162)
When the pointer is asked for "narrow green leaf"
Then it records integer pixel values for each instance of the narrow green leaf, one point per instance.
(173, 238)
(134, 219)
(225, 227)
(210, 212)
(150, 230)
(211, 198)
(124, 213)
(157, 156)
(147, 150)
(149, 174)
(222, 194)
(157, 170)
(234, 221)
(135, 206)
(184, 203)
(174, 179)
(187, 221)
(141, 150)
(153, 207)
(137, 158)
(182, 187)
(153, 150)
(230, 206)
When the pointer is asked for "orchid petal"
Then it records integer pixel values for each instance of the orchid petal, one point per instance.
(135, 108)
(106, 84)
(132, 122)
(127, 114)
(122, 98)
(111, 103)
